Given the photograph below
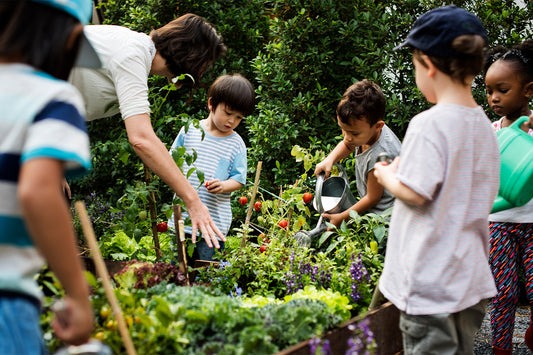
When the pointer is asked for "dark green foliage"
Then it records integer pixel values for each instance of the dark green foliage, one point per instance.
(300, 56)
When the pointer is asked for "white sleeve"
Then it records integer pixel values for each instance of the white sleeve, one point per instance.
(130, 76)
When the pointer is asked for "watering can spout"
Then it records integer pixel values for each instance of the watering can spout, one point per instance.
(500, 204)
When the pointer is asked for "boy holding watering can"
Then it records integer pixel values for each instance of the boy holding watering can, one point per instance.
(360, 116)
(445, 181)
(509, 85)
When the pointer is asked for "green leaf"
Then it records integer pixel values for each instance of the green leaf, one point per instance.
(332, 246)
(324, 237)
(379, 232)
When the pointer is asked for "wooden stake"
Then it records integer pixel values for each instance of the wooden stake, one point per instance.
(289, 221)
(251, 205)
(180, 242)
(153, 214)
(102, 272)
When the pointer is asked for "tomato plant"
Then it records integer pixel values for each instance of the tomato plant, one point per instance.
(162, 227)
(142, 215)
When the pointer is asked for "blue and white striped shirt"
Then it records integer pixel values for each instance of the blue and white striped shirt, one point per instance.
(220, 158)
(40, 116)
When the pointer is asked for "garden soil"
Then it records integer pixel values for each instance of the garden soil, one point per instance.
(483, 338)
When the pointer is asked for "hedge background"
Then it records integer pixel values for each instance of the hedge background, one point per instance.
(300, 57)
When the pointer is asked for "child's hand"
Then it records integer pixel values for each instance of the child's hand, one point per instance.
(214, 186)
(324, 166)
(335, 218)
(384, 172)
(73, 322)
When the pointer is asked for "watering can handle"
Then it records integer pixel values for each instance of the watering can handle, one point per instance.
(519, 122)
(343, 174)
(318, 192)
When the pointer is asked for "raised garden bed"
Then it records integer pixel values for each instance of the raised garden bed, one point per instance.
(383, 323)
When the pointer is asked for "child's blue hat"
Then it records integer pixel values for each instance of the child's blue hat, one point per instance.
(434, 31)
(82, 10)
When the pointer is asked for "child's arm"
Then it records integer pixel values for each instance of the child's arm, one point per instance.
(386, 176)
(372, 197)
(216, 186)
(49, 222)
(341, 151)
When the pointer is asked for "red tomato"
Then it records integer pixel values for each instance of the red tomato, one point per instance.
(263, 248)
(283, 224)
(307, 197)
(207, 184)
(243, 200)
(162, 227)
(257, 206)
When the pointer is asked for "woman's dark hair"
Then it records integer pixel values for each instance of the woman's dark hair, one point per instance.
(189, 44)
(38, 35)
(235, 91)
(362, 99)
(469, 63)
(520, 56)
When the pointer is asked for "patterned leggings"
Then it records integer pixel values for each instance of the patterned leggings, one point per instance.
(511, 247)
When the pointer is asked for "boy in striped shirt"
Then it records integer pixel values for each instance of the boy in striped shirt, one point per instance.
(221, 153)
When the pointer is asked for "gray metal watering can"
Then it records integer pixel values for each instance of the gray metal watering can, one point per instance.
(332, 195)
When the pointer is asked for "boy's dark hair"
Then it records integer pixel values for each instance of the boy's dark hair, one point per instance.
(468, 62)
(520, 56)
(362, 99)
(189, 44)
(235, 91)
(37, 35)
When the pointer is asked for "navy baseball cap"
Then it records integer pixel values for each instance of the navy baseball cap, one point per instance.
(434, 31)
(83, 11)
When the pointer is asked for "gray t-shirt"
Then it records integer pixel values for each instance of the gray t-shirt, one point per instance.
(364, 163)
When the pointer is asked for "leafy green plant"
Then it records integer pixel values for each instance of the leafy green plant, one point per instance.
(169, 319)
(121, 247)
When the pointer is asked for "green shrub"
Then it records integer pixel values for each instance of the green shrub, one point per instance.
(300, 56)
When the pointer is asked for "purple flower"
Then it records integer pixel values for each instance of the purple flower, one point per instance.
(313, 345)
(362, 340)
(357, 272)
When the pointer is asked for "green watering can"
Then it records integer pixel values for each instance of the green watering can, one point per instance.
(516, 171)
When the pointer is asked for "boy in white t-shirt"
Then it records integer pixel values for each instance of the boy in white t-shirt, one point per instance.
(445, 181)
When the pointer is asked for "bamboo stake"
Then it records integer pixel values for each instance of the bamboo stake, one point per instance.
(102, 272)
(251, 205)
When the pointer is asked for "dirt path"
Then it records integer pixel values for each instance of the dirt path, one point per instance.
(483, 337)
